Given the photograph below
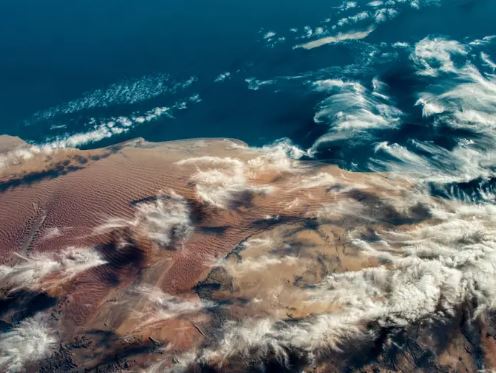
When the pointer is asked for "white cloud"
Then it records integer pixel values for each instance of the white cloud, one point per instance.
(353, 20)
(226, 182)
(222, 77)
(180, 364)
(223, 182)
(29, 341)
(157, 306)
(430, 162)
(434, 55)
(114, 126)
(279, 157)
(461, 96)
(487, 60)
(20, 155)
(468, 103)
(125, 92)
(165, 221)
(51, 233)
(432, 269)
(29, 272)
(255, 84)
(259, 264)
(351, 109)
(322, 179)
(269, 35)
(362, 16)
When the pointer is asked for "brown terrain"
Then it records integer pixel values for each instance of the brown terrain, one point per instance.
(208, 255)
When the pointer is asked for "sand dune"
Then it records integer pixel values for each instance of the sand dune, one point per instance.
(208, 253)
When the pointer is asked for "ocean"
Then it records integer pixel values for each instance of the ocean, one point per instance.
(212, 256)
(396, 85)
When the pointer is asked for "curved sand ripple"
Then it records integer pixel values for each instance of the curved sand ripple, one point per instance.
(207, 252)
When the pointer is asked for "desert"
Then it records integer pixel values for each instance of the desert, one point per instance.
(209, 255)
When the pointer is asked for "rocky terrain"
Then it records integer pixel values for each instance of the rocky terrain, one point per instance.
(210, 256)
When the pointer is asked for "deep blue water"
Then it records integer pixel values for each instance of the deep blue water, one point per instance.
(89, 66)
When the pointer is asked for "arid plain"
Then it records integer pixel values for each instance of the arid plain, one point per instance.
(209, 255)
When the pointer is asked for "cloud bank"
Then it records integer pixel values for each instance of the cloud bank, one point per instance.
(29, 341)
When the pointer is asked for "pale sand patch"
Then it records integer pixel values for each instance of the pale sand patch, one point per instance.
(356, 35)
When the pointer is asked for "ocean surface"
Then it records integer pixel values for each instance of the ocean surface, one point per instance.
(385, 85)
